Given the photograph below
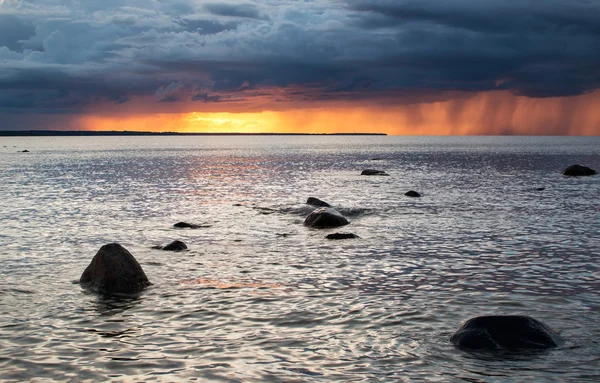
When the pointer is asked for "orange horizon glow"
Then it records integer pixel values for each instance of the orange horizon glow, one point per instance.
(489, 113)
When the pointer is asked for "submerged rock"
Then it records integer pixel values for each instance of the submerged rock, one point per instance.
(412, 193)
(579, 171)
(341, 236)
(373, 172)
(325, 217)
(173, 246)
(114, 270)
(184, 225)
(504, 332)
(317, 202)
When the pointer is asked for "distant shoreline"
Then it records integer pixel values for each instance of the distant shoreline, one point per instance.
(74, 133)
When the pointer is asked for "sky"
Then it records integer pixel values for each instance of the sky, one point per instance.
(402, 67)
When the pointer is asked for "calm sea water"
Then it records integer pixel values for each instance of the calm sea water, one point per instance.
(260, 298)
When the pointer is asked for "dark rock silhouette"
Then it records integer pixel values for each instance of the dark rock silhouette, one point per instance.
(373, 172)
(325, 217)
(114, 270)
(317, 202)
(173, 246)
(341, 236)
(412, 193)
(183, 225)
(504, 332)
(579, 171)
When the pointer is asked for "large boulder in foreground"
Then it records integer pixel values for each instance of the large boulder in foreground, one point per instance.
(504, 332)
(325, 217)
(114, 270)
(373, 172)
(317, 202)
(579, 171)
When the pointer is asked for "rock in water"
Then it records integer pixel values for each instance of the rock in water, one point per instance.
(325, 217)
(175, 246)
(579, 171)
(341, 236)
(317, 202)
(114, 270)
(373, 172)
(185, 225)
(504, 332)
(412, 193)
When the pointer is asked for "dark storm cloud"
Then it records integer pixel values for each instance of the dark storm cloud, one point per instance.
(249, 11)
(535, 48)
(13, 30)
(205, 97)
(58, 55)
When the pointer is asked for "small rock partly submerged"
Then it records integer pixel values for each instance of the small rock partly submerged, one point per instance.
(373, 172)
(341, 236)
(185, 225)
(325, 217)
(412, 193)
(317, 202)
(173, 246)
(504, 332)
(579, 171)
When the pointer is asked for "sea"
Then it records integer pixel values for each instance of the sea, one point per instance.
(259, 297)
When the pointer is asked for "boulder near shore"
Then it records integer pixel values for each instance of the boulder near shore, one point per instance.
(504, 333)
(114, 270)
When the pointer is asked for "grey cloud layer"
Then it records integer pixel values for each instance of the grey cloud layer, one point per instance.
(64, 55)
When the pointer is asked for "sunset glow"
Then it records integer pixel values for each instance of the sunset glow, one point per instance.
(493, 113)
(395, 67)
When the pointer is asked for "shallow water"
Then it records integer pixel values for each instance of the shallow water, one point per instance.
(260, 298)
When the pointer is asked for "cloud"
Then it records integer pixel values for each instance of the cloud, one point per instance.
(243, 10)
(66, 56)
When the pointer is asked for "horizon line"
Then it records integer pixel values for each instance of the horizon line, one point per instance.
(22, 133)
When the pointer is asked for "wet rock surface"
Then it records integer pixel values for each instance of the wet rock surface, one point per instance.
(317, 202)
(114, 270)
(173, 246)
(504, 332)
(325, 217)
(579, 171)
(373, 172)
(342, 236)
(412, 193)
